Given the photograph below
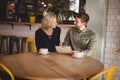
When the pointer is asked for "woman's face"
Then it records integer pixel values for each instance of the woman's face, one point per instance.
(54, 23)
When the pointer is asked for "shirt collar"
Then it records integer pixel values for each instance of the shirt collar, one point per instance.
(81, 30)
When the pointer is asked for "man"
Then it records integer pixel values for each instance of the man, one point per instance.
(80, 37)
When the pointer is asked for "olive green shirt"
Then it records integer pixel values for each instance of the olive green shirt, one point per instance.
(84, 40)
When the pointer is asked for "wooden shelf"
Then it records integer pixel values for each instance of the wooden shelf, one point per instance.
(17, 23)
(12, 23)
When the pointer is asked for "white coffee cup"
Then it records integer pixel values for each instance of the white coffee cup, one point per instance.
(78, 55)
(43, 50)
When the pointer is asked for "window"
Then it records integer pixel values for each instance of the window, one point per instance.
(74, 5)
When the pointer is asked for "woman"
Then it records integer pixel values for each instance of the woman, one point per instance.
(48, 35)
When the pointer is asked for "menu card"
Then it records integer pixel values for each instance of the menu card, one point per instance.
(63, 49)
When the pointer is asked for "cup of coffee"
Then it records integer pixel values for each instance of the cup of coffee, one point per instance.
(43, 51)
(78, 55)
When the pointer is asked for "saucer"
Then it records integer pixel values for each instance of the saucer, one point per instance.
(44, 53)
(76, 56)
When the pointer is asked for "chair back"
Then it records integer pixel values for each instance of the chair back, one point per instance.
(109, 73)
(94, 53)
(7, 70)
(32, 41)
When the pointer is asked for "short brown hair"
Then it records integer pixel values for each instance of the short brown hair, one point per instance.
(84, 16)
(47, 20)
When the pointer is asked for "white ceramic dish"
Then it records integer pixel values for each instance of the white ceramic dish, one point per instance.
(77, 56)
(44, 53)
(43, 50)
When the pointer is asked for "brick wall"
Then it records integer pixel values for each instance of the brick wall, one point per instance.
(112, 41)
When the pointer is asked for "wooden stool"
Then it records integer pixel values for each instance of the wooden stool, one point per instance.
(20, 41)
(5, 38)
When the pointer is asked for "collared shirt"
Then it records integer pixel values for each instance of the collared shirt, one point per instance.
(81, 40)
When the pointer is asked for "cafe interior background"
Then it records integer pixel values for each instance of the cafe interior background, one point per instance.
(104, 21)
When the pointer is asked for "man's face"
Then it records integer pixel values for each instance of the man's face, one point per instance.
(79, 23)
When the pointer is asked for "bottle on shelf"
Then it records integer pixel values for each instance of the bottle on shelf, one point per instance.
(10, 9)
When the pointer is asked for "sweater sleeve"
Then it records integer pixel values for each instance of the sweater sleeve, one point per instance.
(38, 40)
(90, 46)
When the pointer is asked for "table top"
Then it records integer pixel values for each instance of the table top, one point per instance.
(51, 66)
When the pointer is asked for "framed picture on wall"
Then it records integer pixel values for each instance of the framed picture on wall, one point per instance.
(10, 11)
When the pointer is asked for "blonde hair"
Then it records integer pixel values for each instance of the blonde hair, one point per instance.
(48, 20)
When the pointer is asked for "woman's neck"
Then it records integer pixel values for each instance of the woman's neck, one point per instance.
(49, 31)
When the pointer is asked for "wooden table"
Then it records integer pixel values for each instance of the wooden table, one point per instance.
(52, 66)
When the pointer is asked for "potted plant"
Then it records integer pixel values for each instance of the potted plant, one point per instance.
(62, 13)
(32, 16)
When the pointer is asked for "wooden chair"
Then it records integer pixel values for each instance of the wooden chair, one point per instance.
(109, 73)
(7, 70)
(94, 53)
(32, 41)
